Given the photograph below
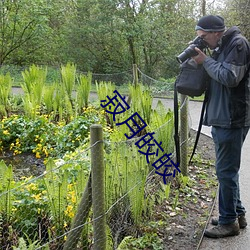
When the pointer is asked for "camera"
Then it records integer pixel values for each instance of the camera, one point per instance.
(190, 51)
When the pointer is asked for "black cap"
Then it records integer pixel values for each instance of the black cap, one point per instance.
(210, 23)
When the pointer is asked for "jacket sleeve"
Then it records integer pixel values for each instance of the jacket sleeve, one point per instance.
(234, 66)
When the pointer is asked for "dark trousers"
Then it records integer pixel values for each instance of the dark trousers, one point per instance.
(228, 145)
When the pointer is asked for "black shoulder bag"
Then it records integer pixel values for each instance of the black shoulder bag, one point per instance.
(191, 81)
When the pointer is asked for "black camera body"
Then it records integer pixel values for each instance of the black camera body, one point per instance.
(190, 51)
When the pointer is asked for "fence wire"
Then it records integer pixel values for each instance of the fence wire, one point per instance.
(40, 212)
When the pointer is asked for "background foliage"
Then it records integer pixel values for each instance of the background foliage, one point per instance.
(106, 36)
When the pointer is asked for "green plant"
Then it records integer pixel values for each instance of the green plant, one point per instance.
(30, 207)
(34, 81)
(165, 191)
(56, 187)
(105, 89)
(42, 136)
(48, 98)
(6, 184)
(144, 106)
(162, 124)
(147, 241)
(184, 181)
(68, 74)
(176, 199)
(5, 90)
(83, 91)
(29, 245)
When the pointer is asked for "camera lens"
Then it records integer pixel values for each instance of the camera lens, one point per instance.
(187, 53)
(190, 51)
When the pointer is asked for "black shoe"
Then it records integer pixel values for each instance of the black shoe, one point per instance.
(241, 219)
(221, 231)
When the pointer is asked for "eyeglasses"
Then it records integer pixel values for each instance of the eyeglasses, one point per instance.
(203, 36)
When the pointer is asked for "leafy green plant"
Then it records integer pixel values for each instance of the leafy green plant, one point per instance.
(43, 137)
(176, 199)
(83, 91)
(165, 191)
(48, 98)
(30, 207)
(22, 245)
(57, 190)
(6, 184)
(147, 241)
(5, 90)
(68, 74)
(144, 106)
(162, 123)
(105, 89)
(184, 181)
(34, 81)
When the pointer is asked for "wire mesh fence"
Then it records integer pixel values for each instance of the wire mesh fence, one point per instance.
(56, 209)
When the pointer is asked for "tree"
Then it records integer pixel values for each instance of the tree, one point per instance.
(237, 13)
(21, 21)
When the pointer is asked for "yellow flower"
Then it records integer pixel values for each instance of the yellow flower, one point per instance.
(37, 196)
(69, 211)
(73, 199)
(14, 209)
(6, 132)
(31, 186)
(38, 156)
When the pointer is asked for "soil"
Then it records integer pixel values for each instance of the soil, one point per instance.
(188, 221)
(25, 164)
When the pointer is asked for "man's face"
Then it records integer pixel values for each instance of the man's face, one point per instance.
(211, 38)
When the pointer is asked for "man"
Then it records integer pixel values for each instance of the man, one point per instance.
(228, 112)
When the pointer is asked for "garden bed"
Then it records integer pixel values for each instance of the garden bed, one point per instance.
(181, 216)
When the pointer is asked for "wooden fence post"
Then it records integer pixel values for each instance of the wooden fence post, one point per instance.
(135, 75)
(98, 195)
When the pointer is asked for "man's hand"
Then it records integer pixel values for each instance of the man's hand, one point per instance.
(200, 58)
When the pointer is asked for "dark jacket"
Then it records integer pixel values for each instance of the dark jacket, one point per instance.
(228, 103)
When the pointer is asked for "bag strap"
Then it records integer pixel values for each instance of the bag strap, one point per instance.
(176, 125)
(200, 126)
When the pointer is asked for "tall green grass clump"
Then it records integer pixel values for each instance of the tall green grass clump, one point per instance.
(83, 91)
(68, 74)
(34, 80)
(5, 90)
(141, 101)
